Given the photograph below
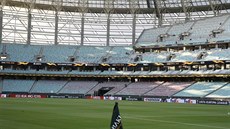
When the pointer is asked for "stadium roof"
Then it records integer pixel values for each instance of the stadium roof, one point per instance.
(96, 22)
(124, 6)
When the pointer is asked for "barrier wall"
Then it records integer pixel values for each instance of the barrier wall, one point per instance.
(213, 102)
(26, 96)
(118, 98)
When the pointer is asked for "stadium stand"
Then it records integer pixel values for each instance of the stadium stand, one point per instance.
(139, 73)
(116, 73)
(200, 89)
(225, 31)
(52, 54)
(58, 53)
(153, 57)
(168, 89)
(21, 53)
(151, 36)
(18, 71)
(189, 59)
(226, 71)
(201, 31)
(115, 87)
(223, 92)
(52, 72)
(218, 54)
(138, 88)
(12, 85)
(186, 56)
(76, 72)
(47, 86)
(195, 32)
(91, 54)
(119, 55)
(156, 72)
(175, 31)
(78, 87)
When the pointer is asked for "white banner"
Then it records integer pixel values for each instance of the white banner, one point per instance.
(112, 98)
(3, 95)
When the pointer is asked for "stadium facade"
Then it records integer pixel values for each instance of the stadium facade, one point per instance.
(140, 48)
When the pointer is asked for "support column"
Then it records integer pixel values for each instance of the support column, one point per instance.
(160, 20)
(109, 6)
(29, 27)
(184, 4)
(82, 29)
(134, 29)
(134, 6)
(83, 8)
(108, 30)
(57, 7)
(30, 5)
(214, 6)
(56, 28)
(158, 13)
(1, 18)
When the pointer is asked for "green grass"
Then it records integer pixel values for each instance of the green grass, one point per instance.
(96, 114)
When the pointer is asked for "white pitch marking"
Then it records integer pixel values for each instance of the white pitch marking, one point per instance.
(174, 122)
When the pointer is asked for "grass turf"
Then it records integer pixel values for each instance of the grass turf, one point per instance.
(96, 114)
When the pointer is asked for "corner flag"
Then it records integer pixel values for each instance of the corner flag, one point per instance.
(116, 118)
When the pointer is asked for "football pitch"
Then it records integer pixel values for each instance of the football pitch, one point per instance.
(96, 114)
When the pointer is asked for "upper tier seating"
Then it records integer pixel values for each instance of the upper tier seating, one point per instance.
(195, 32)
(51, 72)
(10, 85)
(21, 53)
(175, 31)
(201, 30)
(224, 36)
(91, 54)
(183, 56)
(58, 53)
(154, 57)
(119, 55)
(218, 54)
(200, 89)
(151, 36)
(105, 55)
(115, 73)
(223, 92)
(18, 71)
(76, 72)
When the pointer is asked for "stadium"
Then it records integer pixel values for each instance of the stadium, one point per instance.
(161, 51)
